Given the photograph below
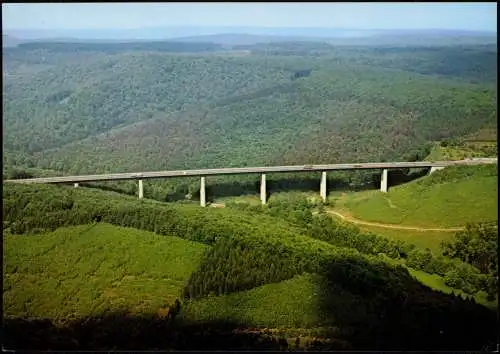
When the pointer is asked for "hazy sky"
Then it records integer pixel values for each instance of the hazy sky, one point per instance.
(464, 16)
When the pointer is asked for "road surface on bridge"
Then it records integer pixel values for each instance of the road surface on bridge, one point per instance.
(248, 170)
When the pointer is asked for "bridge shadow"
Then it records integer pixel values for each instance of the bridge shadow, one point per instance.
(378, 307)
(398, 177)
(220, 188)
(223, 189)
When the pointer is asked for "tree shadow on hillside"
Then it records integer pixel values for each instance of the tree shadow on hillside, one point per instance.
(371, 306)
(379, 307)
(120, 331)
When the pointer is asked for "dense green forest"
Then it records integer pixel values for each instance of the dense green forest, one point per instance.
(161, 46)
(452, 61)
(45, 208)
(301, 278)
(278, 243)
(136, 108)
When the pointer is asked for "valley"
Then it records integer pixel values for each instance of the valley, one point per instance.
(96, 268)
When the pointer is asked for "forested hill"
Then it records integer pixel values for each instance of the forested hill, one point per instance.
(116, 47)
(140, 108)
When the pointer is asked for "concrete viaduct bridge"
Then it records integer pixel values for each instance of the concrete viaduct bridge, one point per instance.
(384, 166)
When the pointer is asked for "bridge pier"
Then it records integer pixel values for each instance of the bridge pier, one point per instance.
(203, 200)
(76, 185)
(141, 189)
(263, 193)
(322, 187)
(434, 169)
(384, 181)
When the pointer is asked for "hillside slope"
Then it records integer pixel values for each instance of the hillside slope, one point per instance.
(328, 109)
(103, 268)
(145, 110)
(111, 90)
(448, 198)
(482, 143)
(252, 254)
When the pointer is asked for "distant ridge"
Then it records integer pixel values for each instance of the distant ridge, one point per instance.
(245, 39)
(233, 35)
(10, 41)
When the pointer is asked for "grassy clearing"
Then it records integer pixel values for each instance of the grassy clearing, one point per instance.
(427, 239)
(463, 151)
(482, 143)
(94, 269)
(448, 198)
(485, 134)
(436, 282)
(90, 269)
(423, 239)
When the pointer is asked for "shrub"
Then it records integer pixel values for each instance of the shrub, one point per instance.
(476, 245)
(419, 259)
(32, 209)
(461, 275)
(465, 277)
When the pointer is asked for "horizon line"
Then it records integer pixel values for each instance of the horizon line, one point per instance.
(250, 26)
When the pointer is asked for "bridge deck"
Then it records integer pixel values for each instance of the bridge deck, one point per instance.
(246, 170)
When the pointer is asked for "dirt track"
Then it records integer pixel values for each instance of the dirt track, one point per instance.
(390, 226)
(376, 224)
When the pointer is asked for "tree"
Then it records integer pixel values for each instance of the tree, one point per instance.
(476, 245)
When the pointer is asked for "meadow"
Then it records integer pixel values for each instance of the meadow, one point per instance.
(244, 267)
(94, 268)
(422, 239)
(446, 199)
